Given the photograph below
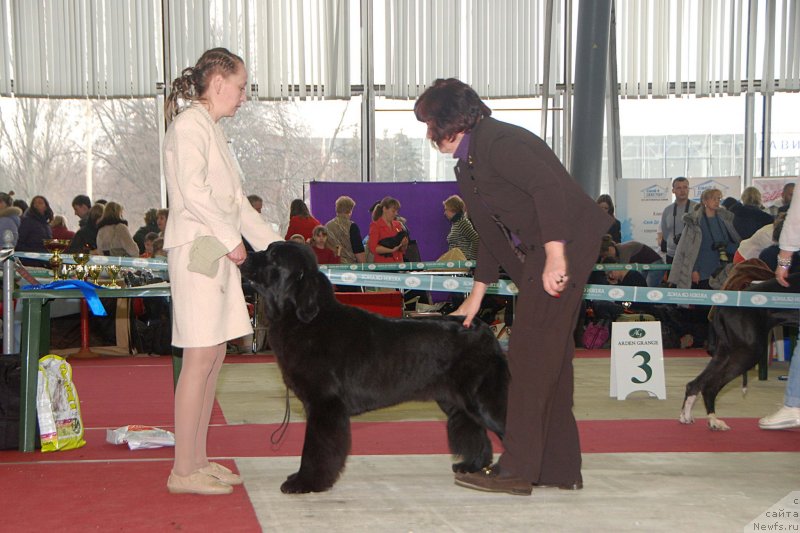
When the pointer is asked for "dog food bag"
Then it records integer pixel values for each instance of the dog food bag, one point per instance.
(140, 437)
(58, 406)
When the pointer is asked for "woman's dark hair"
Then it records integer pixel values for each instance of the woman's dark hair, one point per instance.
(192, 84)
(48, 212)
(150, 217)
(449, 107)
(299, 208)
(606, 199)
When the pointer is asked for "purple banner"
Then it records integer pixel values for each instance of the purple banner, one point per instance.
(421, 206)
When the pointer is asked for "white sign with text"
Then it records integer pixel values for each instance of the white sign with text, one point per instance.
(637, 359)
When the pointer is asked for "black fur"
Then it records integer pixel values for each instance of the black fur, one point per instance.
(737, 342)
(341, 361)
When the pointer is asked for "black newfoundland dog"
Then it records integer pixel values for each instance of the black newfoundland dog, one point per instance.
(342, 361)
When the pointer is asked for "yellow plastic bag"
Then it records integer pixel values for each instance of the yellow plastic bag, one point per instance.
(58, 407)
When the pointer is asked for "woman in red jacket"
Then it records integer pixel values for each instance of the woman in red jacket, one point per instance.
(300, 220)
(388, 239)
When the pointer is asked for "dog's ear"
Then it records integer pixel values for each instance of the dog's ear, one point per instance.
(307, 302)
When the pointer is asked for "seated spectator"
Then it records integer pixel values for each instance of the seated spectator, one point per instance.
(300, 220)
(344, 235)
(81, 205)
(748, 216)
(85, 238)
(319, 243)
(605, 201)
(462, 234)
(150, 226)
(633, 252)
(113, 236)
(34, 228)
(60, 230)
(10, 218)
(148, 244)
(388, 239)
(158, 248)
(607, 310)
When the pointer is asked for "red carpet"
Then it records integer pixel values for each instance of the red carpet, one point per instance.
(114, 394)
(118, 496)
(414, 438)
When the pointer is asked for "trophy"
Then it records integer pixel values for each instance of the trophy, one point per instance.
(94, 272)
(56, 246)
(81, 258)
(113, 272)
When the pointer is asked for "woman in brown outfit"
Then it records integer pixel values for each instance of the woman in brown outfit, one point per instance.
(536, 223)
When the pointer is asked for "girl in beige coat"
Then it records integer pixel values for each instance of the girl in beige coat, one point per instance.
(209, 214)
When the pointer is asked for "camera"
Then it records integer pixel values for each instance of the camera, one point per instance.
(721, 249)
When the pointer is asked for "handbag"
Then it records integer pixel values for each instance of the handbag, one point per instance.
(596, 334)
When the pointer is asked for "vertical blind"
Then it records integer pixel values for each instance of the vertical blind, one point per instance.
(708, 47)
(301, 48)
(497, 46)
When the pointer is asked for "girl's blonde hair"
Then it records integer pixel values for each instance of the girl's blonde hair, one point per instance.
(193, 82)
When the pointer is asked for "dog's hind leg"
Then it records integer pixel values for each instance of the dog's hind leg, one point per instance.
(467, 439)
(735, 365)
(327, 443)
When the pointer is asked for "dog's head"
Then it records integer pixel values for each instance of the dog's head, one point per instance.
(286, 274)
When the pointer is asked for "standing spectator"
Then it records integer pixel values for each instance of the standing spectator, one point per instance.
(209, 216)
(319, 243)
(788, 416)
(81, 205)
(607, 204)
(34, 228)
(749, 216)
(113, 236)
(300, 220)
(9, 218)
(711, 240)
(671, 226)
(344, 235)
(85, 238)
(20, 204)
(162, 215)
(536, 223)
(462, 234)
(150, 226)
(782, 206)
(387, 238)
(60, 230)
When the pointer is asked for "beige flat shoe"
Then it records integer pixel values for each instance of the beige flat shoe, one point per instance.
(222, 474)
(197, 483)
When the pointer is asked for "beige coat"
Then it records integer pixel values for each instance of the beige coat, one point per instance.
(206, 198)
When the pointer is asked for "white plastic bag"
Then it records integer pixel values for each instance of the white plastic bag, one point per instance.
(140, 437)
(58, 406)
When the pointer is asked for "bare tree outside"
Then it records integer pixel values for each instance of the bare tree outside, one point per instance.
(40, 150)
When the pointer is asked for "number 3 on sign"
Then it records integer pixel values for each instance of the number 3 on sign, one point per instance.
(644, 366)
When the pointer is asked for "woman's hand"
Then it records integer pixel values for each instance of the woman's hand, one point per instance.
(555, 276)
(471, 305)
(238, 254)
(782, 272)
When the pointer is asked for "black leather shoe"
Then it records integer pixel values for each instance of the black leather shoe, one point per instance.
(490, 479)
(578, 485)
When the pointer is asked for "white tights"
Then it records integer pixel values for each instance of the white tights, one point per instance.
(194, 399)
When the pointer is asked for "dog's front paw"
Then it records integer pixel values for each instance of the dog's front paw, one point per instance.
(295, 484)
(686, 419)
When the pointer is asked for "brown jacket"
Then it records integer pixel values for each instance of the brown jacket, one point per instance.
(512, 174)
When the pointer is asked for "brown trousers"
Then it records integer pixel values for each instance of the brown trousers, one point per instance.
(541, 441)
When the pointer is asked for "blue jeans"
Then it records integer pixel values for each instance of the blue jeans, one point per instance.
(791, 398)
